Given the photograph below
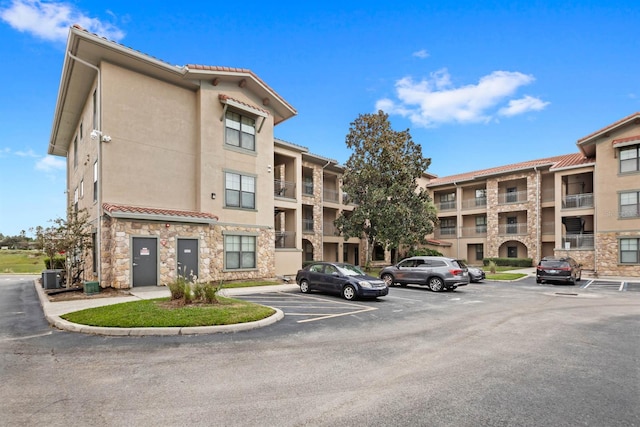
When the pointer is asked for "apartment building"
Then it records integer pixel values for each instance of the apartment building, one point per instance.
(180, 172)
(585, 205)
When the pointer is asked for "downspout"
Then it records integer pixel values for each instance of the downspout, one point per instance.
(99, 195)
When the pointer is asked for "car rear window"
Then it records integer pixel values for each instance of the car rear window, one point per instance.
(460, 263)
(554, 263)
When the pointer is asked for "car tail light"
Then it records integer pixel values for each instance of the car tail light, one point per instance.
(456, 272)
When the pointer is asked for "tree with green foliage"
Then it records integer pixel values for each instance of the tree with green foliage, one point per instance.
(381, 178)
(72, 237)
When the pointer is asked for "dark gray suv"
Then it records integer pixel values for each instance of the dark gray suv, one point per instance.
(439, 273)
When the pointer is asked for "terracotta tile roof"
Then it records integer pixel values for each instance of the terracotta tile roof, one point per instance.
(611, 126)
(224, 97)
(241, 71)
(555, 162)
(627, 139)
(119, 210)
(438, 242)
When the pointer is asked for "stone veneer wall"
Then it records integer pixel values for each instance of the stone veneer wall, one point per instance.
(607, 250)
(586, 257)
(116, 253)
(315, 201)
(494, 239)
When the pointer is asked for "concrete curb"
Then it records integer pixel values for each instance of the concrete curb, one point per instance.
(57, 322)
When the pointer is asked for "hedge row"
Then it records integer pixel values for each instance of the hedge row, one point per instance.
(509, 262)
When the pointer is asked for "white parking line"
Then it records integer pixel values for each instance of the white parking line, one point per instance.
(623, 286)
(587, 284)
(336, 315)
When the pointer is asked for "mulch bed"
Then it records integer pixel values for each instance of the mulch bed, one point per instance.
(78, 293)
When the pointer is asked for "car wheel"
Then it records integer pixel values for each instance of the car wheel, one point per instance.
(349, 292)
(436, 284)
(388, 279)
(304, 286)
(538, 281)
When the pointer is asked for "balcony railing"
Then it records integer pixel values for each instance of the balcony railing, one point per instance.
(548, 228)
(445, 233)
(572, 201)
(329, 229)
(513, 197)
(284, 189)
(506, 229)
(577, 241)
(447, 206)
(479, 202)
(331, 195)
(307, 188)
(307, 225)
(477, 231)
(285, 239)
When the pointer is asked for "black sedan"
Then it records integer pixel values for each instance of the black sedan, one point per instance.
(340, 278)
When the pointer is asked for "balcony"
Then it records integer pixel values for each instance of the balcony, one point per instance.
(307, 188)
(512, 197)
(577, 201)
(512, 229)
(331, 195)
(307, 225)
(285, 239)
(477, 231)
(284, 189)
(477, 203)
(445, 233)
(329, 229)
(447, 206)
(577, 241)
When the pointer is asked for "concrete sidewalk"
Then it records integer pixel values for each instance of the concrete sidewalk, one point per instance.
(53, 311)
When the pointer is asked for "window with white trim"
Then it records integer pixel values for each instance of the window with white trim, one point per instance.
(630, 159)
(240, 131)
(239, 191)
(82, 188)
(239, 252)
(75, 152)
(630, 204)
(630, 251)
(75, 200)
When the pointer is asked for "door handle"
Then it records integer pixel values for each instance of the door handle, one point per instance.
(134, 264)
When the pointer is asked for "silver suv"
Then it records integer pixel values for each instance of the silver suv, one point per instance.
(439, 273)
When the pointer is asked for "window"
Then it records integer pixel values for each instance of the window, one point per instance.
(512, 194)
(630, 159)
(81, 130)
(630, 204)
(240, 131)
(448, 227)
(481, 197)
(479, 252)
(81, 188)
(240, 191)
(75, 152)
(95, 181)
(481, 224)
(512, 225)
(448, 201)
(629, 251)
(240, 252)
(75, 199)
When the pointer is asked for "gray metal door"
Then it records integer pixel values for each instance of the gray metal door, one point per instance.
(188, 257)
(145, 261)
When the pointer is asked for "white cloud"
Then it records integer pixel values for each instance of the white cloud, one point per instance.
(435, 100)
(51, 20)
(28, 153)
(422, 54)
(50, 163)
(522, 105)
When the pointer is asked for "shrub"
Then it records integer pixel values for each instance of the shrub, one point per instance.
(509, 262)
(59, 263)
(177, 288)
(423, 252)
(492, 267)
(190, 292)
(210, 291)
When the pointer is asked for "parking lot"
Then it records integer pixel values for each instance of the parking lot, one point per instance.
(309, 308)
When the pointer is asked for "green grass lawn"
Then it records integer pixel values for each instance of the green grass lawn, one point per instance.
(21, 261)
(161, 313)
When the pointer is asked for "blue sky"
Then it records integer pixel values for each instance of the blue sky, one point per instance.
(478, 83)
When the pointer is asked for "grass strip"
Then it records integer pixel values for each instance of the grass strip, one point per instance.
(162, 313)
